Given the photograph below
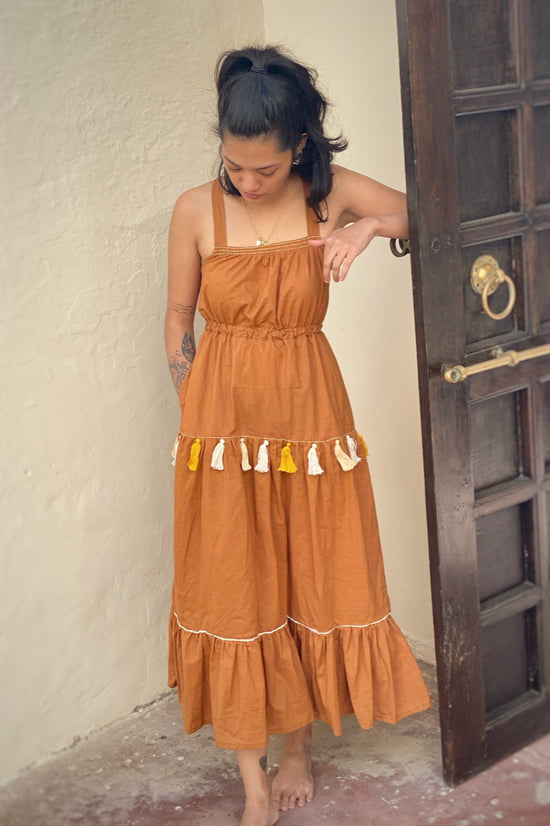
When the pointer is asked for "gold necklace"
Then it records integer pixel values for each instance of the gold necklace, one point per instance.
(260, 240)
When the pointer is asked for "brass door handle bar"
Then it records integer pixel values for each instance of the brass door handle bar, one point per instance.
(501, 358)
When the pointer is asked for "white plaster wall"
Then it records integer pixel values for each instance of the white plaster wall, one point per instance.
(353, 46)
(105, 108)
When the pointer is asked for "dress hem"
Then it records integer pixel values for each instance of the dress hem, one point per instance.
(337, 732)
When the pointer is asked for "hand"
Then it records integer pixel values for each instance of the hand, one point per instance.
(343, 245)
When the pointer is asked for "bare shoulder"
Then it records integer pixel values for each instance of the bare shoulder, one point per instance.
(355, 196)
(192, 221)
(193, 203)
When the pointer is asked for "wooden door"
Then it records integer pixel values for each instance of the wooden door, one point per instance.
(476, 106)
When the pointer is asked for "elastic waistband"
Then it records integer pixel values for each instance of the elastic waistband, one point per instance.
(248, 331)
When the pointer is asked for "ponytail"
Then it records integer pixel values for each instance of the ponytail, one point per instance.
(266, 92)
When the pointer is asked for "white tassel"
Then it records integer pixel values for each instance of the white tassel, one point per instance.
(174, 452)
(345, 462)
(352, 447)
(217, 455)
(263, 458)
(245, 464)
(313, 466)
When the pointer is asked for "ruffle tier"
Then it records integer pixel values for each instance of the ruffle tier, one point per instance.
(283, 679)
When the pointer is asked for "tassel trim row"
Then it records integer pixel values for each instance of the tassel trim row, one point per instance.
(347, 461)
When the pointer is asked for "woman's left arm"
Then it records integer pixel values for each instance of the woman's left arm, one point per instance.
(364, 209)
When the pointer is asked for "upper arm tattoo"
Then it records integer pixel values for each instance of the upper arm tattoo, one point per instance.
(184, 309)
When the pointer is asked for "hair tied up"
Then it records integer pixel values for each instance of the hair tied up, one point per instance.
(259, 70)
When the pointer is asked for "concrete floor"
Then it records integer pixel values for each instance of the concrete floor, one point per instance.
(143, 771)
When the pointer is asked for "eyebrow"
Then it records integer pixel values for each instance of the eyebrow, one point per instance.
(259, 169)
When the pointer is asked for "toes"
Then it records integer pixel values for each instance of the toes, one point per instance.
(276, 802)
(288, 803)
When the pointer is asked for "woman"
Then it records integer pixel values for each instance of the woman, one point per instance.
(280, 610)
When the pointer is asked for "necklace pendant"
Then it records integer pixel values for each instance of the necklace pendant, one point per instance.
(261, 242)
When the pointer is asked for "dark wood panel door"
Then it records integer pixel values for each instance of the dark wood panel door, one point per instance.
(476, 107)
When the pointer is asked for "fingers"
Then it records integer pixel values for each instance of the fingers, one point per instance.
(337, 257)
(337, 268)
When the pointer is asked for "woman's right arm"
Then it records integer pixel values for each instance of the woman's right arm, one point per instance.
(184, 278)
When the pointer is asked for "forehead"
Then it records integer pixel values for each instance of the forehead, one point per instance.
(257, 152)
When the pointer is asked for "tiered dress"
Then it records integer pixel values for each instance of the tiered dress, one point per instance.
(280, 608)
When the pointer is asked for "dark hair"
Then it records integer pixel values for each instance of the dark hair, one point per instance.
(264, 91)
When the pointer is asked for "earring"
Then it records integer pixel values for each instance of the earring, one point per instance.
(297, 159)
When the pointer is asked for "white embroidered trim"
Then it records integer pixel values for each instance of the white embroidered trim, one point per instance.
(336, 627)
(229, 639)
(280, 628)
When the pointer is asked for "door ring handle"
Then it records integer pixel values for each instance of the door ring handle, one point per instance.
(486, 277)
(497, 279)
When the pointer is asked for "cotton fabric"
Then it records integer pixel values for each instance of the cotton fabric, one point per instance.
(280, 609)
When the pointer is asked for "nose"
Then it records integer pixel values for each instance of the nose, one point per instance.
(249, 181)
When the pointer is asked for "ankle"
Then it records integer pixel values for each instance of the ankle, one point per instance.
(299, 740)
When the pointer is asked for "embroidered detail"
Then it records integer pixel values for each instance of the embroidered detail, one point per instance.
(288, 464)
(352, 447)
(262, 465)
(245, 463)
(194, 453)
(345, 462)
(313, 466)
(280, 628)
(217, 455)
(295, 243)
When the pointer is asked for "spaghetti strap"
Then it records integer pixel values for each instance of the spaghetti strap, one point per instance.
(218, 211)
(312, 222)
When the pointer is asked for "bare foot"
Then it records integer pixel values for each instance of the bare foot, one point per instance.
(259, 813)
(293, 783)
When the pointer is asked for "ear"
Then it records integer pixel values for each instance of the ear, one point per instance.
(303, 141)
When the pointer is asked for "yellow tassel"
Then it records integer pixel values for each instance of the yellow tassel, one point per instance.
(364, 444)
(345, 462)
(174, 452)
(193, 461)
(287, 462)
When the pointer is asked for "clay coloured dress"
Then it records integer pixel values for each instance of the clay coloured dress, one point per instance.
(280, 609)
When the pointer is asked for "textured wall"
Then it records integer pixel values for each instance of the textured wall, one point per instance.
(105, 109)
(370, 320)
